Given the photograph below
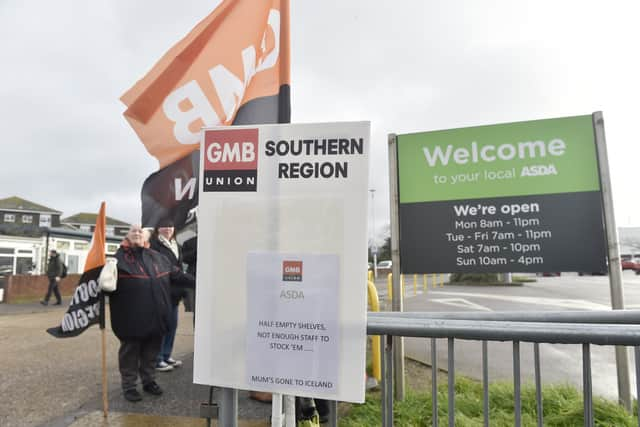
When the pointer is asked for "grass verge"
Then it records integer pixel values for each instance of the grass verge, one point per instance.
(562, 406)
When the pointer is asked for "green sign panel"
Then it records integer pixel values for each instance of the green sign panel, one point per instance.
(514, 159)
(502, 198)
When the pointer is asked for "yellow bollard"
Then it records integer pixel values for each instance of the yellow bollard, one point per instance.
(390, 286)
(370, 275)
(375, 339)
(441, 279)
(415, 284)
(424, 282)
(433, 280)
(402, 285)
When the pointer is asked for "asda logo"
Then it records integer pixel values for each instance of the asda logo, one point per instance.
(490, 153)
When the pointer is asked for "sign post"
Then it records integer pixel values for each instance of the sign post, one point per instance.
(615, 268)
(281, 259)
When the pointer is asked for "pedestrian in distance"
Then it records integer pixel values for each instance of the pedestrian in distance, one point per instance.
(140, 307)
(163, 241)
(55, 268)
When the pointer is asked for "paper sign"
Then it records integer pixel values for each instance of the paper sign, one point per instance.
(292, 328)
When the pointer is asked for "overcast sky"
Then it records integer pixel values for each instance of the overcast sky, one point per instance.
(405, 66)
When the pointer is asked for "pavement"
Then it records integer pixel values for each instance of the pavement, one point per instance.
(46, 381)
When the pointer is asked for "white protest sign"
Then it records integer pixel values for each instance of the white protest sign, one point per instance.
(282, 245)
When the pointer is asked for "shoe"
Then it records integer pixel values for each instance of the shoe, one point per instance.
(173, 362)
(44, 303)
(164, 367)
(132, 395)
(152, 388)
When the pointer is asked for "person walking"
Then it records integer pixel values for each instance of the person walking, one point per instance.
(55, 268)
(140, 308)
(163, 241)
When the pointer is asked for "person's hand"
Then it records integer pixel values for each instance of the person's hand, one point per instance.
(57, 279)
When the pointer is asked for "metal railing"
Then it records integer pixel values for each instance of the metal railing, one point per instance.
(606, 328)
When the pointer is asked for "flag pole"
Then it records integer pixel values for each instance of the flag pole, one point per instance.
(103, 333)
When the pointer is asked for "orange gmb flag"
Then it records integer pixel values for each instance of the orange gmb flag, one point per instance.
(97, 255)
(85, 307)
(232, 68)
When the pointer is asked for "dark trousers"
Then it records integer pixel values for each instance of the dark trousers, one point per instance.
(167, 341)
(53, 287)
(138, 357)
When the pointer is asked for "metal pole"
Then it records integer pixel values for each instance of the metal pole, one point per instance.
(276, 410)
(434, 383)
(289, 403)
(636, 349)
(536, 358)
(228, 407)
(517, 401)
(397, 302)
(451, 382)
(210, 405)
(615, 269)
(386, 347)
(373, 232)
(333, 413)
(586, 385)
(485, 382)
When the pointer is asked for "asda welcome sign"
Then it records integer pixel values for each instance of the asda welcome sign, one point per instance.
(511, 197)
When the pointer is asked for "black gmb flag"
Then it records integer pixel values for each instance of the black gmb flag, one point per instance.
(86, 305)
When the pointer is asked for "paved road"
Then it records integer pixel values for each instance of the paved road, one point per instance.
(45, 381)
(560, 363)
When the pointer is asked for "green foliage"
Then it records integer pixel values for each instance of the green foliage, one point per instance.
(562, 407)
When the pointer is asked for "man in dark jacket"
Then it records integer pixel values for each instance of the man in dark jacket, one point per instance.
(141, 309)
(54, 273)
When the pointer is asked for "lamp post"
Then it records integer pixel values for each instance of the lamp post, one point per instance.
(374, 247)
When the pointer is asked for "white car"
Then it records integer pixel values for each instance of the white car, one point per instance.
(384, 264)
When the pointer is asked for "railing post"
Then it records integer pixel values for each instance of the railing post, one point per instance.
(586, 385)
(516, 384)
(452, 383)
(637, 360)
(538, 379)
(386, 347)
(434, 383)
(485, 382)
